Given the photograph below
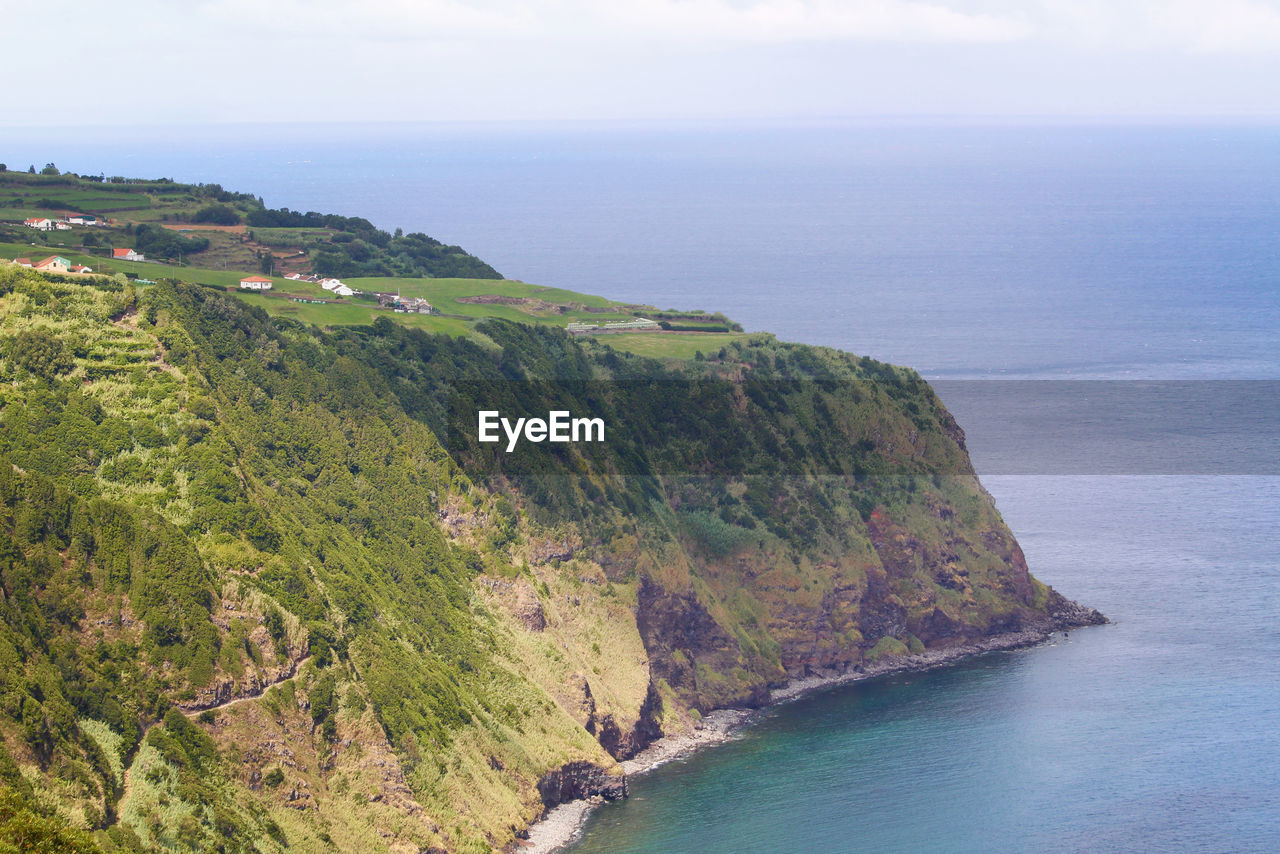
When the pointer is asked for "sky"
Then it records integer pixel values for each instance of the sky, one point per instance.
(222, 61)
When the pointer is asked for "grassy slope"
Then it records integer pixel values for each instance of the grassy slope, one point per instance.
(175, 203)
(440, 707)
(332, 472)
(441, 293)
(671, 345)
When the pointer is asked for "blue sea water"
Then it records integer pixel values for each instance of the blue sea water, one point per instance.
(969, 252)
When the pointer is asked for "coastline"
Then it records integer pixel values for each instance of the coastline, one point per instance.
(561, 826)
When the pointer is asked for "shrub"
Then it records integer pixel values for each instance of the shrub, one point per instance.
(217, 215)
(40, 353)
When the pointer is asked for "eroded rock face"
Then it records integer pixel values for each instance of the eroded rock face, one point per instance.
(528, 609)
(814, 641)
(545, 551)
(648, 729)
(575, 780)
(681, 638)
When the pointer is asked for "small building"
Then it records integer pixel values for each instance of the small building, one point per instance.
(636, 324)
(53, 264)
(22, 262)
(40, 223)
(62, 226)
(80, 219)
(255, 283)
(344, 291)
(331, 284)
(80, 268)
(127, 255)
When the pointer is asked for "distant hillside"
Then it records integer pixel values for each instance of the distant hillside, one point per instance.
(204, 225)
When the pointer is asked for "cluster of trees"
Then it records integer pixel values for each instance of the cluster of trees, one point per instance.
(155, 242)
(359, 248)
(285, 218)
(799, 417)
(217, 214)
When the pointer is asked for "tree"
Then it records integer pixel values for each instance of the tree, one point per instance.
(26, 827)
(218, 215)
(31, 169)
(41, 353)
(50, 169)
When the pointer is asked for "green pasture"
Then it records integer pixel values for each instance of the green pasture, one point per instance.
(146, 270)
(353, 314)
(290, 238)
(670, 345)
(445, 293)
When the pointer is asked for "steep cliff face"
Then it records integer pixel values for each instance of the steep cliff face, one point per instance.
(258, 585)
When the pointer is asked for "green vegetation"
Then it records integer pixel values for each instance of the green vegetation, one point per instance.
(147, 215)
(670, 346)
(260, 588)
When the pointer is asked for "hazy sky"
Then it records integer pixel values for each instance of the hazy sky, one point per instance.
(159, 61)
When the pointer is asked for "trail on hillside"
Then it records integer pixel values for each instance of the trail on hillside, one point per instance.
(194, 713)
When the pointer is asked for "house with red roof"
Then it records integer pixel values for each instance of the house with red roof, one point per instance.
(255, 283)
(127, 255)
(53, 264)
(40, 223)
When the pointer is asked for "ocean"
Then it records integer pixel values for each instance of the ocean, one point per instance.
(1039, 273)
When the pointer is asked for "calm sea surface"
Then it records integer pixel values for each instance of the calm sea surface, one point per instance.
(1028, 253)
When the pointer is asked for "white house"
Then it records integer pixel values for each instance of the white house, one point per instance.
(40, 223)
(255, 283)
(127, 255)
(331, 284)
(343, 291)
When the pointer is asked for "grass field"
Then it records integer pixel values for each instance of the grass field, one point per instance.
(670, 345)
(233, 255)
(445, 293)
(354, 314)
(146, 270)
(441, 293)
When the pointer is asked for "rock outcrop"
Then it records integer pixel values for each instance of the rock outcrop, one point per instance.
(577, 780)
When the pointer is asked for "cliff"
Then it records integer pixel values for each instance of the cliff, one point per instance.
(262, 588)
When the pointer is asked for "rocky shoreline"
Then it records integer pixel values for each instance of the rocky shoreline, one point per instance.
(562, 824)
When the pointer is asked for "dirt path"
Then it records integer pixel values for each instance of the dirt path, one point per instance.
(194, 713)
(292, 672)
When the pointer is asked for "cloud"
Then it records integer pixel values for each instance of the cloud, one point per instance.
(373, 20)
(1191, 27)
(705, 22)
(786, 21)
(1217, 27)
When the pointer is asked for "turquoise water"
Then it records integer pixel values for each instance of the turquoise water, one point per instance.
(1156, 733)
(981, 252)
